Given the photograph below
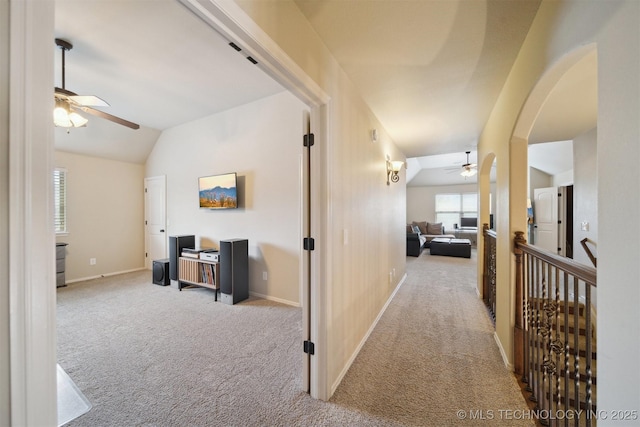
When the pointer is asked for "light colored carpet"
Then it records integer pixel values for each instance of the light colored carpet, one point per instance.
(147, 355)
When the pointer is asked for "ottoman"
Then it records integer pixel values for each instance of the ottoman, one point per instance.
(451, 247)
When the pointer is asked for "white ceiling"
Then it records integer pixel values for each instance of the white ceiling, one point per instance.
(429, 70)
(156, 63)
(552, 158)
(570, 110)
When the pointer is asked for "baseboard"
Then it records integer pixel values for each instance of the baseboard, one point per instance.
(366, 337)
(83, 279)
(505, 359)
(270, 298)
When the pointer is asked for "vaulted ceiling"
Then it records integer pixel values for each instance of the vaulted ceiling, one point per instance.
(430, 70)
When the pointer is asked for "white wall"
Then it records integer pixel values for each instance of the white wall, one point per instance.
(538, 179)
(563, 179)
(585, 195)
(262, 143)
(105, 216)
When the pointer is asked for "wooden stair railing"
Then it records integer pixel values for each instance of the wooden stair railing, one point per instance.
(489, 271)
(554, 336)
(583, 242)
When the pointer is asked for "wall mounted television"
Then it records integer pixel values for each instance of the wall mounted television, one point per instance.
(218, 191)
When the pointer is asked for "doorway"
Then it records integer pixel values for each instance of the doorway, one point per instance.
(155, 219)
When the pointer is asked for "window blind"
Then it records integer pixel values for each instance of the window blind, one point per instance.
(453, 206)
(60, 200)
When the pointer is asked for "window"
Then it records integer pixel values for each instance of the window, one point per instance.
(451, 207)
(60, 200)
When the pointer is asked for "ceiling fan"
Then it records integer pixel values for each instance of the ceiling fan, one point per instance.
(67, 102)
(468, 169)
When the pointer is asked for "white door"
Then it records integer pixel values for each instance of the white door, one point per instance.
(545, 217)
(155, 236)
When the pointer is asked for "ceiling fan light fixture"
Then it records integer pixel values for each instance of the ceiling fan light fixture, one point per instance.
(63, 117)
(468, 169)
(468, 172)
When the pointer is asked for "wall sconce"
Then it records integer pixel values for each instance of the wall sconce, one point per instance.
(393, 167)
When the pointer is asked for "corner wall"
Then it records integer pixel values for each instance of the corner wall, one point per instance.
(262, 143)
(105, 216)
(559, 30)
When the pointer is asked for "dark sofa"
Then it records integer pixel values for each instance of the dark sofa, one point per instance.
(420, 234)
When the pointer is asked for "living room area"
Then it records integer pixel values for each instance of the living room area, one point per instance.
(442, 205)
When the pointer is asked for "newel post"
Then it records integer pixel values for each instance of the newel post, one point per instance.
(518, 332)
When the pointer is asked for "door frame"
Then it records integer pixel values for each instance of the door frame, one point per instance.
(28, 377)
(163, 178)
(31, 395)
(229, 20)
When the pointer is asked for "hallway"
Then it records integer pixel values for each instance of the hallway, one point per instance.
(432, 359)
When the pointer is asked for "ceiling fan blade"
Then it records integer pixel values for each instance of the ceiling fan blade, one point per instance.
(89, 101)
(107, 116)
(82, 100)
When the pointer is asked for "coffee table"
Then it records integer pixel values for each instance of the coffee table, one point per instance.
(451, 247)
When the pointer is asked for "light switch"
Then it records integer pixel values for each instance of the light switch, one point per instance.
(584, 226)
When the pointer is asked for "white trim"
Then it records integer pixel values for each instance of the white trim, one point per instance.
(338, 380)
(228, 19)
(32, 287)
(320, 259)
(115, 273)
(505, 359)
(270, 298)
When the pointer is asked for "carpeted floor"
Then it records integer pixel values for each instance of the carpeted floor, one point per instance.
(146, 355)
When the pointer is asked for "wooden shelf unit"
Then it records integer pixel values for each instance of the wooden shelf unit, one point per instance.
(198, 272)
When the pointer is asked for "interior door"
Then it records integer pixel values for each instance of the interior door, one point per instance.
(545, 216)
(155, 236)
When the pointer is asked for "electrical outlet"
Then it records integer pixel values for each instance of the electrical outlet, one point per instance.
(92, 261)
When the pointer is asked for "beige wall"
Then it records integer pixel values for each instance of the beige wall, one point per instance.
(262, 143)
(421, 201)
(362, 270)
(105, 216)
(4, 216)
(559, 34)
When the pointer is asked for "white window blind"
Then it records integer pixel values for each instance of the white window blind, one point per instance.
(453, 206)
(60, 200)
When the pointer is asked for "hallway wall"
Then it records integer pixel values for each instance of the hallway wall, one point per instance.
(363, 217)
(560, 30)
